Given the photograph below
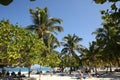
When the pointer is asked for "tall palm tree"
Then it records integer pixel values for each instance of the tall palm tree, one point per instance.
(44, 25)
(71, 47)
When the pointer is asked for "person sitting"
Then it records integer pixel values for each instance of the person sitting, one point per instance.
(3, 72)
(19, 74)
(7, 74)
(13, 74)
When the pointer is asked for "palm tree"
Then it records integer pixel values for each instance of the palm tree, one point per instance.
(92, 55)
(107, 38)
(71, 47)
(44, 25)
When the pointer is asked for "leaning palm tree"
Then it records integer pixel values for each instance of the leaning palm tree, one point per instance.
(44, 25)
(71, 47)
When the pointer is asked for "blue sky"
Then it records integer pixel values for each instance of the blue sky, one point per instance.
(81, 17)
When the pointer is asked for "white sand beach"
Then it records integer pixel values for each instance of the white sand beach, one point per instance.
(61, 77)
(55, 77)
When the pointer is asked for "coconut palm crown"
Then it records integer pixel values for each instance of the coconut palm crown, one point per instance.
(44, 25)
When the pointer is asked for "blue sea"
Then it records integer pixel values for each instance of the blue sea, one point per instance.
(25, 69)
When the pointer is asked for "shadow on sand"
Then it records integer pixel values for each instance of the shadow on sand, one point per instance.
(112, 76)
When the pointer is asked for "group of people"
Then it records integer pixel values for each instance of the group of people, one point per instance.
(81, 74)
(7, 75)
(13, 74)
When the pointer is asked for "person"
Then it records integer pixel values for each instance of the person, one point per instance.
(66, 71)
(87, 71)
(41, 72)
(51, 72)
(80, 74)
(13, 74)
(96, 74)
(19, 73)
(7, 74)
(3, 72)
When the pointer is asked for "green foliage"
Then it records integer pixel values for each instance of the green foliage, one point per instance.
(45, 27)
(32, 0)
(113, 13)
(7, 2)
(113, 6)
(6, 35)
(100, 1)
(52, 59)
(18, 46)
(103, 1)
(107, 37)
(66, 61)
(71, 48)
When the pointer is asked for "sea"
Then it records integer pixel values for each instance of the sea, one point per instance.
(25, 69)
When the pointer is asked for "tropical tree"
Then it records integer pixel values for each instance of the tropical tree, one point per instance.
(108, 36)
(107, 39)
(18, 46)
(32, 49)
(45, 26)
(6, 39)
(92, 55)
(111, 16)
(53, 59)
(66, 61)
(71, 47)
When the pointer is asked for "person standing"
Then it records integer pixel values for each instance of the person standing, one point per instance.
(88, 72)
(80, 74)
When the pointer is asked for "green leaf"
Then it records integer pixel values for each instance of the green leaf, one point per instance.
(32, 0)
(102, 11)
(5, 2)
(100, 1)
(113, 6)
(113, 0)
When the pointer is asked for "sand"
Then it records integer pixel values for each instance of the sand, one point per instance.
(68, 77)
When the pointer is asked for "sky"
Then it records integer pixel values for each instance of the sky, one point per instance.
(80, 17)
